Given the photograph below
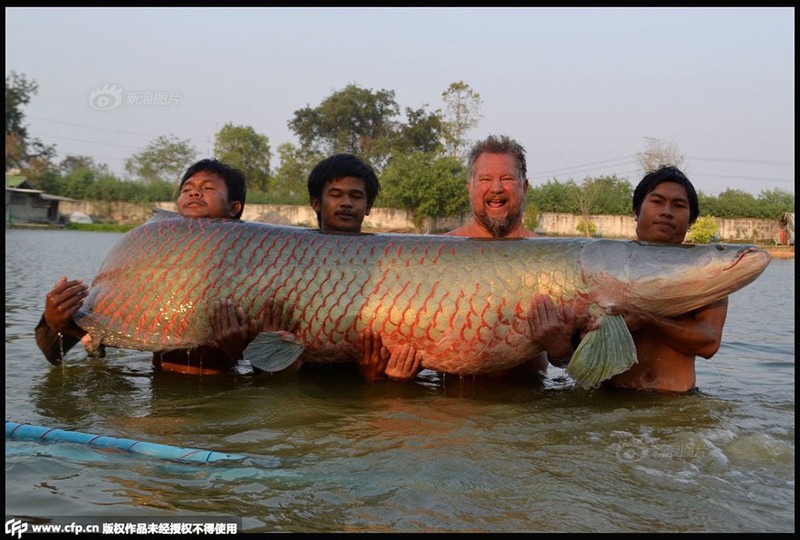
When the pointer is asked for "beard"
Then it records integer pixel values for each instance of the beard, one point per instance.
(498, 226)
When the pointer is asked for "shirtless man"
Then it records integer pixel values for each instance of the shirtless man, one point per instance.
(342, 190)
(208, 189)
(665, 206)
(497, 186)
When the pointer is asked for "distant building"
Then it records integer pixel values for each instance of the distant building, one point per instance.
(26, 205)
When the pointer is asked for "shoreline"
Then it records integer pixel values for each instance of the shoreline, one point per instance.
(775, 251)
(779, 252)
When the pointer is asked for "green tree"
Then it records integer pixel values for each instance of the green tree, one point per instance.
(615, 197)
(243, 148)
(289, 185)
(530, 213)
(421, 133)
(425, 184)
(774, 203)
(462, 113)
(22, 151)
(74, 162)
(553, 196)
(703, 230)
(354, 120)
(586, 196)
(164, 159)
(731, 203)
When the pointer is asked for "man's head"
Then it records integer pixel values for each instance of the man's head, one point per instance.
(665, 206)
(341, 190)
(497, 183)
(211, 189)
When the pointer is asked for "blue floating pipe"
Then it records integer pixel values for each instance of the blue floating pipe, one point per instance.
(16, 431)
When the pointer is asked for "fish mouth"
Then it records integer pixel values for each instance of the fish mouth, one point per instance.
(743, 254)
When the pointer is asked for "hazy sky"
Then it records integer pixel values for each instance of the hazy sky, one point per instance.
(581, 88)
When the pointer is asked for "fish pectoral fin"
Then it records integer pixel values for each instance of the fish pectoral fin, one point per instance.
(273, 351)
(603, 353)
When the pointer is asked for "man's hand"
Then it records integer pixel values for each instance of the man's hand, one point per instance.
(404, 363)
(401, 364)
(277, 316)
(63, 302)
(551, 328)
(231, 328)
(374, 357)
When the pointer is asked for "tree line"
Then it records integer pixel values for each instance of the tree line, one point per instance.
(419, 154)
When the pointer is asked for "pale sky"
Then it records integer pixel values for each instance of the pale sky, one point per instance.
(580, 88)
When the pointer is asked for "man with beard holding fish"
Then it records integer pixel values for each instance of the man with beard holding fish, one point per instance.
(498, 183)
(664, 205)
(208, 189)
(497, 186)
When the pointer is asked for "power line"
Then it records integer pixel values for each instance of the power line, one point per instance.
(751, 161)
(87, 141)
(783, 180)
(90, 127)
(584, 165)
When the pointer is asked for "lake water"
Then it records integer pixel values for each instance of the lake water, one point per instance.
(327, 452)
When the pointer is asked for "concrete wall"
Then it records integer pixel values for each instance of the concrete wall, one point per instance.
(763, 231)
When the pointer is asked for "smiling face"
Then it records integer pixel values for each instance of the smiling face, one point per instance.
(664, 214)
(205, 195)
(497, 193)
(343, 205)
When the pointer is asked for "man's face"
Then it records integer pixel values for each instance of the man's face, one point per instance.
(343, 205)
(204, 194)
(664, 214)
(497, 193)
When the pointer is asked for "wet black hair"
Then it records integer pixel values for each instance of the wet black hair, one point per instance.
(666, 173)
(340, 166)
(234, 179)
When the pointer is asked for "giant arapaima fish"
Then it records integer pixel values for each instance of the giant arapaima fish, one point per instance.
(461, 302)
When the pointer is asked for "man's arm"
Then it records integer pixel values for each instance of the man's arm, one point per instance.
(698, 333)
(51, 344)
(56, 332)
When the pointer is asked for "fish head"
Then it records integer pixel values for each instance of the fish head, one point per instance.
(666, 279)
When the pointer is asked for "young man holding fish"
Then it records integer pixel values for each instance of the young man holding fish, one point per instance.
(208, 189)
(664, 205)
(341, 190)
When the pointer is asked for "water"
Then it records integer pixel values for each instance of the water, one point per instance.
(328, 452)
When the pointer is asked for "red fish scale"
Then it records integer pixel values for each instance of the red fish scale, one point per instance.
(454, 301)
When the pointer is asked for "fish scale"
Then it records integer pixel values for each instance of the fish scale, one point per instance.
(461, 302)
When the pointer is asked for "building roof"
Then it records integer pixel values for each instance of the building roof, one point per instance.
(42, 195)
(17, 181)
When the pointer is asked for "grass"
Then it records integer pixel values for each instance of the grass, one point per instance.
(103, 227)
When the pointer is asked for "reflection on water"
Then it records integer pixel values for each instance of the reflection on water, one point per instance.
(329, 452)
